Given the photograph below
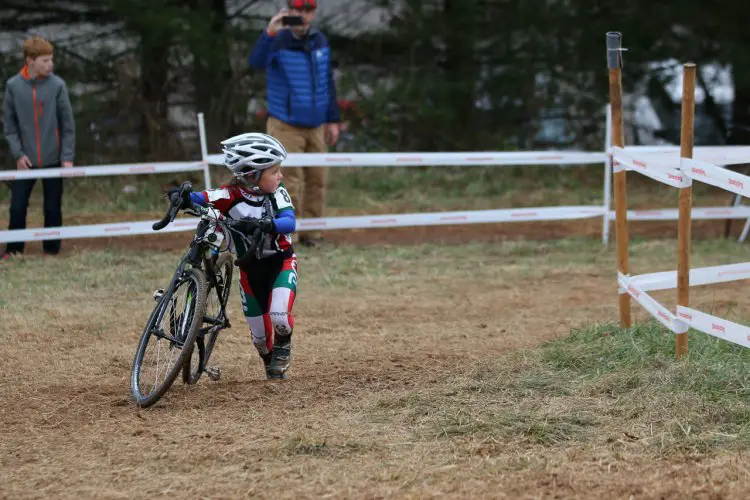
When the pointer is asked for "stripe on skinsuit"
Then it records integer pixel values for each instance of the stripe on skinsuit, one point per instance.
(250, 305)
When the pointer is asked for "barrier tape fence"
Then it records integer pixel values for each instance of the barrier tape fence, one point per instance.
(623, 159)
(676, 168)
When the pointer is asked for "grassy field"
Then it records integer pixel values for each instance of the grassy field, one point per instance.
(469, 371)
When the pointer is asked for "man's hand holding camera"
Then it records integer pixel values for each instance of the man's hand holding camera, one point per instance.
(276, 24)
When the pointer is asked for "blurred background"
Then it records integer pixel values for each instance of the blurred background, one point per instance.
(449, 75)
(412, 75)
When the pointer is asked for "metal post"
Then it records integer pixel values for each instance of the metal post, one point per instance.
(607, 176)
(686, 201)
(614, 63)
(204, 151)
(736, 202)
(745, 231)
(746, 227)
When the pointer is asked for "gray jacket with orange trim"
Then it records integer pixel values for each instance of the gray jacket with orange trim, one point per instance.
(38, 119)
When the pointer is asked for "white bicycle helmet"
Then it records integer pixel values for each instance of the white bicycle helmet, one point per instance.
(247, 155)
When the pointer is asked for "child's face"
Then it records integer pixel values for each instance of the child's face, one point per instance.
(41, 66)
(270, 179)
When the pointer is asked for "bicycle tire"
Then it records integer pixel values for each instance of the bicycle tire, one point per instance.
(190, 333)
(191, 371)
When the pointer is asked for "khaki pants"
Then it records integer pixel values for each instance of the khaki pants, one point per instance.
(306, 185)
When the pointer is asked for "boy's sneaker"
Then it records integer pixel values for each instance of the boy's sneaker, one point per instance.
(281, 357)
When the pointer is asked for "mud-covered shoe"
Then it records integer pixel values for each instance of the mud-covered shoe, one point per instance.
(270, 374)
(281, 357)
(266, 359)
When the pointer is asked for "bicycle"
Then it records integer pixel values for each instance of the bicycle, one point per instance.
(194, 304)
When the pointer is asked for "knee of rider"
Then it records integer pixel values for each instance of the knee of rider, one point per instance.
(281, 324)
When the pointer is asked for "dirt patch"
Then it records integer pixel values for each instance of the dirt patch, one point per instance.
(370, 327)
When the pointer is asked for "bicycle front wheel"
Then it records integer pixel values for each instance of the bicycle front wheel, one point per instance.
(167, 341)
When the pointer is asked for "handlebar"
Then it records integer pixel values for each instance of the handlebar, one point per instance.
(175, 200)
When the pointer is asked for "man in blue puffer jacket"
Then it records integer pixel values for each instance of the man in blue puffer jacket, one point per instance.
(302, 109)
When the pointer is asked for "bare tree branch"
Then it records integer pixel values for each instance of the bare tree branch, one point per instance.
(240, 12)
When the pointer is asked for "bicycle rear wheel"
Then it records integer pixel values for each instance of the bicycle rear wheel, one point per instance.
(214, 320)
(167, 340)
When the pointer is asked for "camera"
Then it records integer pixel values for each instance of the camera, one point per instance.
(292, 21)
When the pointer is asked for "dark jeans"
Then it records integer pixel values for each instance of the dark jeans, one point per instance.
(20, 191)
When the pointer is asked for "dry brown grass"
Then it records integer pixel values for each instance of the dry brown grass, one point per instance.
(388, 340)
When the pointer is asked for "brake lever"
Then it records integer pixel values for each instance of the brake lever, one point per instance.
(174, 206)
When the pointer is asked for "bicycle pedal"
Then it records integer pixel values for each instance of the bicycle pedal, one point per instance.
(158, 294)
(213, 372)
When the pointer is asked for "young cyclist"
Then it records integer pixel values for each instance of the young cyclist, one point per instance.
(267, 285)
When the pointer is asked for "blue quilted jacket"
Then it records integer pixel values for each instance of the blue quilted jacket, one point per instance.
(299, 77)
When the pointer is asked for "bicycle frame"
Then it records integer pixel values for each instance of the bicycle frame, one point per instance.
(204, 250)
(197, 257)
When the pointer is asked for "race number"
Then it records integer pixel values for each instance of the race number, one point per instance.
(282, 199)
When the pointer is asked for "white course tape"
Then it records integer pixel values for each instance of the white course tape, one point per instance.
(445, 218)
(669, 156)
(716, 176)
(433, 159)
(327, 223)
(697, 213)
(667, 280)
(94, 231)
(100, 170)
(717, 327)
(658, 311)
(670, 176)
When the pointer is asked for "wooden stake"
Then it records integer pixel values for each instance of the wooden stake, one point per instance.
(614, 62)
(686, 201)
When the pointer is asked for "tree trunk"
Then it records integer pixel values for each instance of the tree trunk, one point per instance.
(212, 69)
(154, 59)
(740, 131)
(460, 67)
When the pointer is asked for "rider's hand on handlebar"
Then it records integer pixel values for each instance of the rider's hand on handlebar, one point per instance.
(246, 225)
(266, 225)
(249, 224)
(185, 202)
(178, 198)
